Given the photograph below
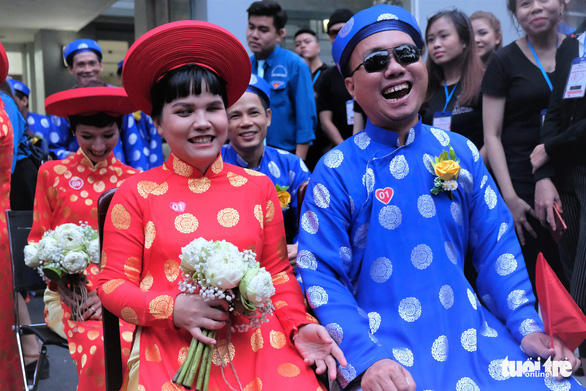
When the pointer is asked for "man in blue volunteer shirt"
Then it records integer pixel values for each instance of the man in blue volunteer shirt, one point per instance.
(287, 74)
(248, 120)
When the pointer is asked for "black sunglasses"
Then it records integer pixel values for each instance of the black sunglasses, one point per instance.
(378, 61)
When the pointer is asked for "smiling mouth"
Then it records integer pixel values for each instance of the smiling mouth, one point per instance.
(247, 134)
(397, 92)
(201, 139)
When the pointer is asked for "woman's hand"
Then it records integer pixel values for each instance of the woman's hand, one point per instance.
(546, 195)
(193, 313)
(539, 345)
(317, 347)
(292, 254)
(92, 308)
(519, 209)
(538, 157)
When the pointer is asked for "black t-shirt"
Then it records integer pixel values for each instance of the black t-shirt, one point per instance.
(332, 96)
(317, 77)
(466, 121)
(511, 75)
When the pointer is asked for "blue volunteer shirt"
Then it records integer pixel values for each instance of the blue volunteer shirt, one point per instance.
(18, 127)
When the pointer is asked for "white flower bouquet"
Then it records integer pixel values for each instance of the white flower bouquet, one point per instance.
(218, 270)
(61, 256)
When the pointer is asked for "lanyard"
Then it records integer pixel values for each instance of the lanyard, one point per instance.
(539, 64)
(315, 77)
(448, 96)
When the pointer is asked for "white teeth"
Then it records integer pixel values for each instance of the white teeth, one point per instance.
(396, 88)
(247, 134)
(202, 139)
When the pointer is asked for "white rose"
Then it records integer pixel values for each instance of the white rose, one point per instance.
(49, 250)
(75, 262)
(93, 250)
(69, 236)
(258, 286)
(31, 258)
(194, 254)
(225, 269)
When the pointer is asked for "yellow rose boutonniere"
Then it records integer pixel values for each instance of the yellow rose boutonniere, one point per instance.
(447, 168)
(284, 196)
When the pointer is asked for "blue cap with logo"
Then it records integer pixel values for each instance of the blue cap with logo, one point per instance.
(16, 85)
(260, 87)
(381, 17)
(79, 46)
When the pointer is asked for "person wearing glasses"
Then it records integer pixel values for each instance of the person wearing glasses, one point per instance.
(382, 256)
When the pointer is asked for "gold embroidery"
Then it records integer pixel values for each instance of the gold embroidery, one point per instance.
(72, 347)
(59, 169)
(94, 349)
(172, 270)
(270, 211)
(161, 307)
(288, 370)
(311, 318)
(220, 353)
(132, 268)
(103, 258)
(93, 334)
(109, 286)
(99, 186)
(280, 304)
(118, 170)
(255, 385)
(199, 185)
(228, 217)
(170, 386)
(181, 168)
(256, 341)
(258, 214)
(152, 353)
(120, 217)
(236, 180)
(141, 388)
(100, 379)
(113, 179)
(66, 211)
(129, 315)
(186, 223)
(147, 282)
(282, 249)
(94, 213)
(253, 172)
(81, 168)
(84, 194)
(90, 179)
(147, 187)
(83, 360)
(150, 232)
(127, 336)
(182, 355)
(280, 278)
(277, 339)
(89, 202)
(73, 198)
(218, 165)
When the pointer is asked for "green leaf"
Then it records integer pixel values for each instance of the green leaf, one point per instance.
(281, 188)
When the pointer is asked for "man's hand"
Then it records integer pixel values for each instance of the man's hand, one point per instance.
(387, 375)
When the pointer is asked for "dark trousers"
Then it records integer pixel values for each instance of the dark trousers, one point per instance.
(22, 185)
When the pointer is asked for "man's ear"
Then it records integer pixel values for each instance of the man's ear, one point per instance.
(281, 34)
(349, 81)
(269, 116)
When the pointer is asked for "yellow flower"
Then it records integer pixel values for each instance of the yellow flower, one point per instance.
(447, 170)
(284, 198)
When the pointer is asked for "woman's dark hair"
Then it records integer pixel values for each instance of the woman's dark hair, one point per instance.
(470, 63)
(184, 81)
(100, 120)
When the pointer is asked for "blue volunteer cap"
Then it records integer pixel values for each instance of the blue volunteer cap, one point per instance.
(381, 17)
(19, 86)
(79, 46)
(260, 87)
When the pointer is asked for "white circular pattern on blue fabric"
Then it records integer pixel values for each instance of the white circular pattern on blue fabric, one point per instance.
(410, 309)
(428, 163)
(474, 149)
(502, 229)
(374, 320)
(303, 166)
(468, 340)
(381, 270)
(154, 144)
(426, 206)
(360, 236)
(374, 339)
(82, 46)
(488, 331)
(473, 238)
(31, 120)
(56, 120)
(334, 158)
(135, 155)
(345, 30)
(456, 210)
(488, 302)
(306, 260)
(403, 356)
(506, 264)
(146, 151)
(490, 197)
(529, 326)
(466, 180)
(446, 296)
(274, 170)
(153, 158)
(362, 140)
(516, 298)
(321, 196)
(421, 256)
(368, 180)
(390, 217)
(291, 176)
(387, 16)
(282, 151)
(451, 252)
(362, 313)
(441, 136)
(130, 121)
(54, 137)
(345, 375)
(472, 298)
(466, 384)
(351, 201)
(553, 384)
(309, 222)
(483, 181)
(44, 123)
(495, 369)
(336, 332)
(439, 349)
(345, 255)
(399, 167)
(132, 139)
(316, 295)
(410, 137)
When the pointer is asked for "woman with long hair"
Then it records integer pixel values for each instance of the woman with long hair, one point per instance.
(487, 34)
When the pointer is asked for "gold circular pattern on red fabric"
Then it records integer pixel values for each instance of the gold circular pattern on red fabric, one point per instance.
(73, 198)
(84, 194)
(256, 341)
(199, 185)
(218, 165)
(83, 360)
(120, 217)
(270, 211)
(280, 304)
(172, 270)
(59, 169)
(93, 349)
(103, 260)
(147, 282)
(132, 268)
(161, 307)
(152, 353)
(99, 186)
(141, 388)
(282, 249)
(81, 168)
(90, 179)
(129, 315)
(100, 378)
(67, 174)
(94, 213)
(182, 355)
(150, 232)
(253, 172)
(113, 179)
(66, 211)
(221, 352)
(181, 168)
(89, 202)
(118, 171)
(72, 347)
(258, 214)
(110, 286)
(280, 278)
(278, 339)
(170, 386)
(311, 318)
(186, 223)
(147, 187)
(228, 217)
(93, 334)
(127, 336)
(236, 180)
(255, 385)
(288, 370)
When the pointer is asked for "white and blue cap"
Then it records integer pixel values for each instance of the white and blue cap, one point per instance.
(79, 46)
(260, 87)
(16, 85)
(381, 17)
